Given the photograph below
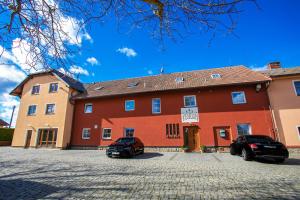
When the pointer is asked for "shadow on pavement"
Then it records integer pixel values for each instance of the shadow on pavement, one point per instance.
(289, 161)
(20, 189)
(148, 155)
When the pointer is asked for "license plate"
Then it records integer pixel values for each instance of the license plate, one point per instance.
(270, 147)
(115, 153)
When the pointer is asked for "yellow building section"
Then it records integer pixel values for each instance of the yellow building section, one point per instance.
(42, 129)
(286, 109)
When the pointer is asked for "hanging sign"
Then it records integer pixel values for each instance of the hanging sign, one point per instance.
(189, 115)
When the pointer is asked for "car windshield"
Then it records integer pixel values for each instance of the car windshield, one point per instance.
(125, 140)
(258, 139)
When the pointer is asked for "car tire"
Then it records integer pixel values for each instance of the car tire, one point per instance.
(246, 155)
(232, 151)
(279, 160)
(131, 152)
(142, 152)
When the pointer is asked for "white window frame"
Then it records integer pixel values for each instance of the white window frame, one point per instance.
(47, 106)
(125, 132)
(35, 109)
(133, 105)
(153, 99)
(298, 131)
(39, 89)
(294, 86)
(250, 128)
(50, 87)
(88, 104)
(106, 138)
(189, 106)
(82, 134)
(245, 100)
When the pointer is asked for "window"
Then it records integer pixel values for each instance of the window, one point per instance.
(190, 101)
(133, 84)
(172, 130)
(53, 87)
(88, 108)
(238, 97)
(244, 129)
(31, 110)
(129, 105)
(298, 129)
(129, 132)
(156, 105)
(50, 108)
(179, 80)
(106, 133)
(214, 76)
(297, 87)
(35, 89)
(86, 133)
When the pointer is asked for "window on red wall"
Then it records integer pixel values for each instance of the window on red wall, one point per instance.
(298, 132)
(172, 130)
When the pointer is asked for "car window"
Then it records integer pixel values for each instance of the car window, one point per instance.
(239, 139)
(125, 140)
(259, 139)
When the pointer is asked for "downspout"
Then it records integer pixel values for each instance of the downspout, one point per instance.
(274, 124)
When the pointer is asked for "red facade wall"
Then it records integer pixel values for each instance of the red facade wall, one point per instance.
(215, 110)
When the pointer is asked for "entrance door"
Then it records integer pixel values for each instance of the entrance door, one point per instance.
(192, 138)
(47, 138)
(28, 138)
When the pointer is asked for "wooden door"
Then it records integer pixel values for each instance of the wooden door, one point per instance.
(28, 138)
(47, 138)
(193, 138)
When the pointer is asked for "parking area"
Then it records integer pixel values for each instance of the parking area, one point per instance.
(89, 174)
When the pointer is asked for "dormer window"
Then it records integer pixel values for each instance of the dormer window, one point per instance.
(133, 84)
(99, 88)
(214, 76)
(179, 79)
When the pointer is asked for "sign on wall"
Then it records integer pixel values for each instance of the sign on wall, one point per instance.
(189, 115)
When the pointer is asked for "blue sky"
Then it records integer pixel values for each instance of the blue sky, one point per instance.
(269, 34)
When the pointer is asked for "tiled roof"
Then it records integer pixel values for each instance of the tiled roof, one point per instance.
(3, 123)
(77, 85)
(282, 71)
(234, 75)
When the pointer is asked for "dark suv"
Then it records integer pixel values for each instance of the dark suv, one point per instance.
(255, 146)
(125, 147)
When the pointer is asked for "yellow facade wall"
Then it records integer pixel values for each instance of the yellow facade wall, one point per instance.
(61, 119)
(286, 108)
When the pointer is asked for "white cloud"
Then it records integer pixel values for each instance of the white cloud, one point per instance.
(7, 102)
(255, 68)
(150, 72)
(127, 51)
(9, 73)
(92, 61)
(78, 70)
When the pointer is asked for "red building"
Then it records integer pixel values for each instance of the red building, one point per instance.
(204, 107)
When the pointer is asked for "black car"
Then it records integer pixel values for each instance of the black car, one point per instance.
(125, 147)
(258, 146)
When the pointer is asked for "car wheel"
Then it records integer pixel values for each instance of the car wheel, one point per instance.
(246, 155)
(232, 151)
(142, 151)
(131, 152)
(280, 160)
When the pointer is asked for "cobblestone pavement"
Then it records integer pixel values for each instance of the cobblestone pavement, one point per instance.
(88, 174)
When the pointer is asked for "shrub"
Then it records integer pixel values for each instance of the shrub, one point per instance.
(6, 134)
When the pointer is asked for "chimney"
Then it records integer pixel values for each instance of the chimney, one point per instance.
(274, 65)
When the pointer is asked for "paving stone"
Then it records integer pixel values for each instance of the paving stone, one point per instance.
(89, 174)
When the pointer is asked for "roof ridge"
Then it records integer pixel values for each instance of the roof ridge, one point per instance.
(197, 70)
